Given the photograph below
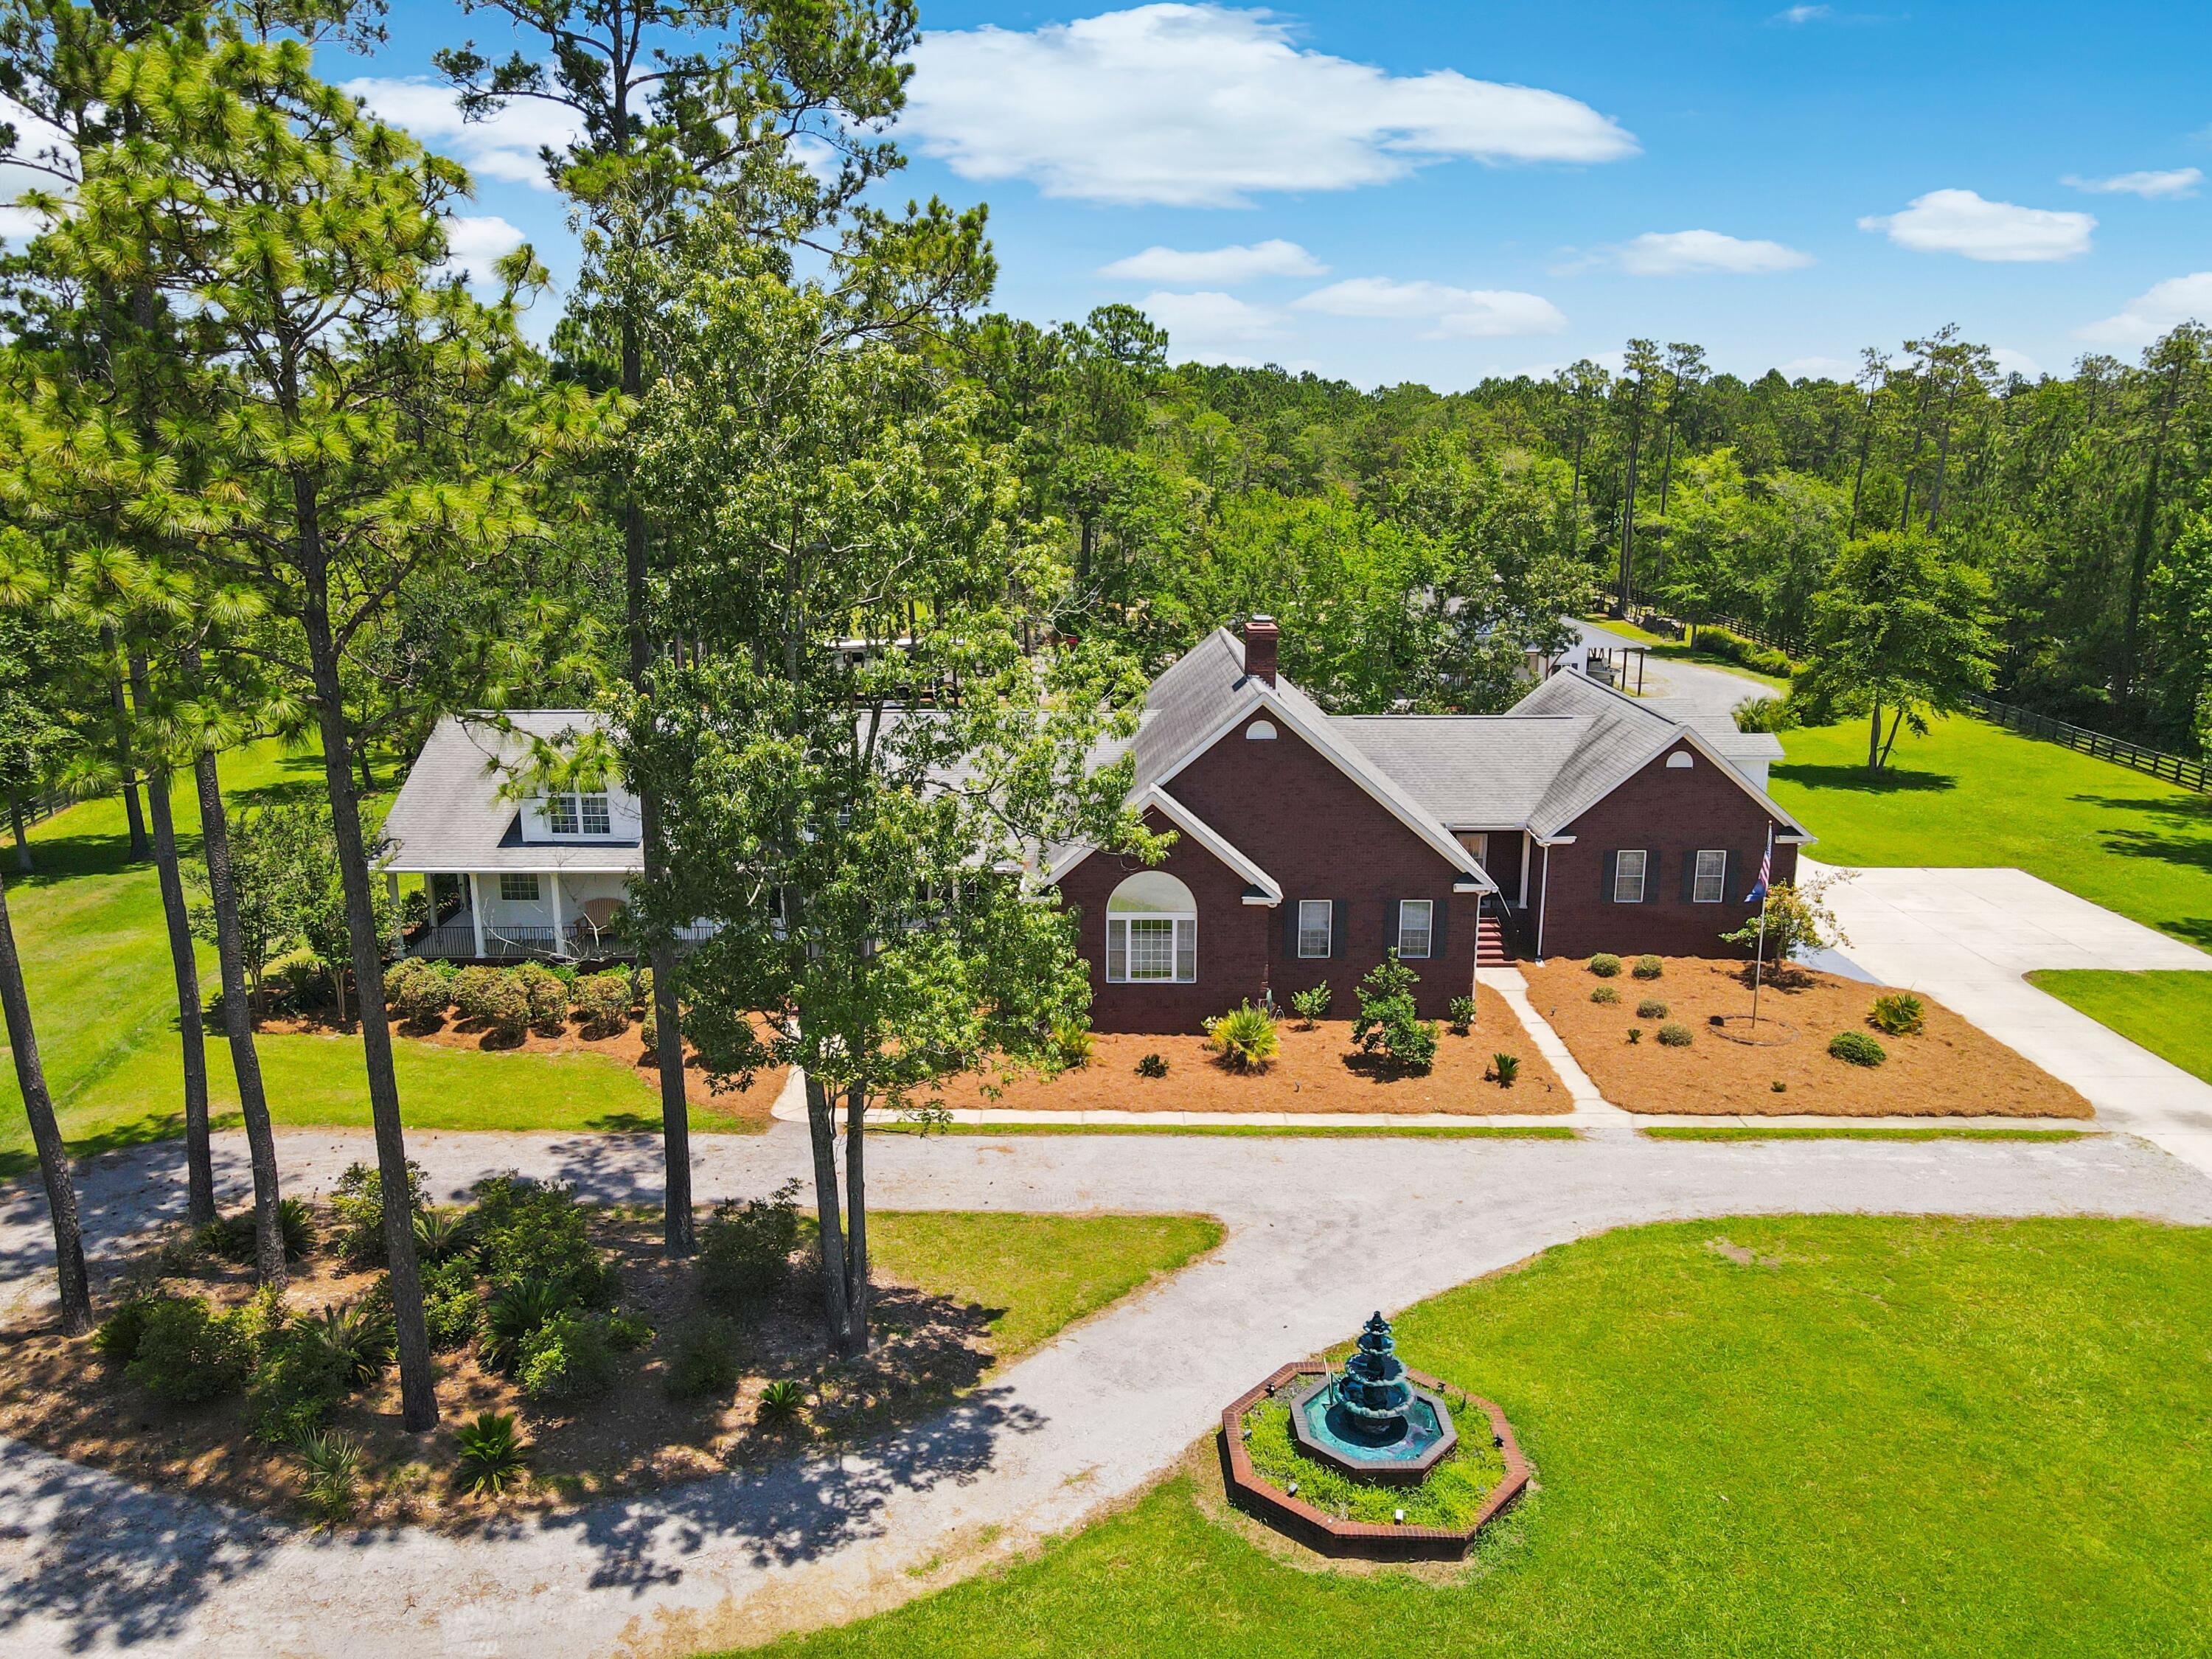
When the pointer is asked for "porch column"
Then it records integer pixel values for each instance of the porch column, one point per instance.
(476, 911)
(560, 933)
(398, 938)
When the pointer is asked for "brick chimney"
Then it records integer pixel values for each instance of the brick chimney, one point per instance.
(1260, 634)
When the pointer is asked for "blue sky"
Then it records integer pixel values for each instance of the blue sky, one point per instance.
(1438, 191)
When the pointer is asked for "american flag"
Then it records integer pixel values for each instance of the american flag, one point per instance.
(1765, 871)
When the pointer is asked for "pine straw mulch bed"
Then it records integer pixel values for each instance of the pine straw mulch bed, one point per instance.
(1952, 1068)
(627, 1047)
(58, 1393)
(1318, 1070)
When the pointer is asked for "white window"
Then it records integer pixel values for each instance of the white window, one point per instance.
(574, 814)
(593, 808)
(560, 814)
(1628, 877)
(1709, 884)
(1151, 931)
(1416, 928)
(518, 889)
(1316, 926)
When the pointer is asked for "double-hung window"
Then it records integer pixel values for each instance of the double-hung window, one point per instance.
(1152, 932)
(1709, 883)
(560, 814)
(1417, 928)
(1316, 926)
(591, 812)
(518, 888)
(1628, 871)
(578, 814)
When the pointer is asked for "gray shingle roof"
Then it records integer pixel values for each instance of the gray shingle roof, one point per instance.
(1471, 771)
(451, 815)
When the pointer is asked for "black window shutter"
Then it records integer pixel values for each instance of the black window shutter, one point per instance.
(1290, 929)
(1390, 926)
(1689, 877)
(1437, 908)
(1340, 916)
(1605, 887)
(1730, 892)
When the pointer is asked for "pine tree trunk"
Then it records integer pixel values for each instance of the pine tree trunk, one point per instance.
(822, 1133)
(856, 1222)
(22, 837)
(199, 1159)
(238, 1021)
(127, 765)
(418, 1400)
(46, 1135)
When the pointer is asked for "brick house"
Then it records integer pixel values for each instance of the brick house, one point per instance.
(1309, 845)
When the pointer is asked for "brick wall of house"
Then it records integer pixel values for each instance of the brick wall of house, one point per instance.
(1670, 812)
(1290, 810)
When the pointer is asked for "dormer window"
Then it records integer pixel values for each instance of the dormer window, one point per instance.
(577, 814)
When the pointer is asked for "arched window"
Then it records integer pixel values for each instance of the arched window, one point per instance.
(1152, 932)
(1260, 731)
(1681, 758)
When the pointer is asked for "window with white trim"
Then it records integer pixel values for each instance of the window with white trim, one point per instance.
(1152, 932)
(578, 813)
(1709, 884)
(1417, 924)
(560, 814)
(1628, 875)
(592, 810)
(518, 888)
(1316, 926)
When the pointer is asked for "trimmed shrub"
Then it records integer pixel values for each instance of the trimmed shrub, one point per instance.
(534, 1232)
(230, 1237)
(1312, 1006)
(494, 999)
(1604, 993)
(1460, 1012)
(547, 995)
(570, 1357)
(1245, 1037)
(1390, 1023)
(301, 1378)
(415, 991)
(494, 1454)
(705, 1359)
(453, 1306)
(357, 1202)
(1153, 1066)
(1650, 1008)
(187, 1352)
(1648, 967)
(1900, 1014)
(745, 1249)
(1857, 1048)
(1605, 965)
(1675, 1037)
(117, 1339)
(602, 1002)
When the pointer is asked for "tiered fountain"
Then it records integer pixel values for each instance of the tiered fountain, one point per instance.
(1369, 1420)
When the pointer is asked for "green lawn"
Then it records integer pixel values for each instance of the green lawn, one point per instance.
(96, 957)
(2168, 1012)
(1840, 1435)
(1974, 794)
(1038, 1272)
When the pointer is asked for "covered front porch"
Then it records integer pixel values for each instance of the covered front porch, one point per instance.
(513, 915)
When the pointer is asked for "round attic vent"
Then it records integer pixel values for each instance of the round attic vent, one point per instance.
(1259, 729)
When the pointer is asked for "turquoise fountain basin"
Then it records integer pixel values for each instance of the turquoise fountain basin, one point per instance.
(1400, 1452)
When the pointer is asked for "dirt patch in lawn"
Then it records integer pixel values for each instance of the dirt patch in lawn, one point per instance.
(1952, 1068)
(627, 1047)
(1318, 1070)
(58, 1393)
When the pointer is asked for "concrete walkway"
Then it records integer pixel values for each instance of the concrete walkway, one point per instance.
(1690, 688)
(1967, 937)
(1319, 1232)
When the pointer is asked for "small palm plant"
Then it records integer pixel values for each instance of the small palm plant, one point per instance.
(1245, 1037)
(332, 1461)
(359, 1335)
(781, 1401)
(494, 1454)
(438, 1233)
(514, 1312)
(1505, 1068)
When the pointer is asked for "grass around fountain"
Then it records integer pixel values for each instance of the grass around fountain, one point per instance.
(1452, 1495)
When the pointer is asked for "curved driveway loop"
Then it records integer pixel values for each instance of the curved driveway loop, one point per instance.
(1320, 1232)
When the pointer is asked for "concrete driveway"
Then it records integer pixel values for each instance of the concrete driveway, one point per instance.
(1689, 688)
(1319, 1233)
(1968, 937)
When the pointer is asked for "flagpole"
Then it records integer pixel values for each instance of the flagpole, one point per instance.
(1765, 899)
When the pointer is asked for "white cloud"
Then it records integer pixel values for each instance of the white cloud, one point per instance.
(475, 244)
(1227, 265)
(1802, 14)
(2009, 361)
(1959, 222)
(2152, 186)
(503, 146)
(1818, 368)
(1201, 105)
(2152, 312)
(1679, 252)
(1195, 322)
(1457, 312)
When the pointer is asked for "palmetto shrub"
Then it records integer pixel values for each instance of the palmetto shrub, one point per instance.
(332, 1464)
(1899, 1014)
(781, 1401)
(1857, 1048)
(494, 1454)
(230, 1237)
(1506, 1068)
(513, 1316)
(440, 1233)
(359, 1338)
(1246, 1038)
